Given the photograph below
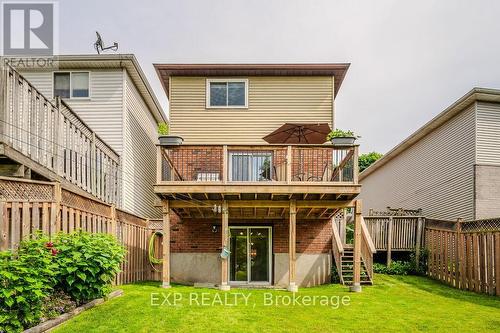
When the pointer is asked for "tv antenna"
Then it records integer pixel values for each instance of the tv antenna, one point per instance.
(99, 45)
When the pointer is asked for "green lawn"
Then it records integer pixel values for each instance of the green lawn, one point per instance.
(409, 304)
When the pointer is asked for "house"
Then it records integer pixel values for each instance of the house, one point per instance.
(238, 210)
(450, 167)
(111, 94)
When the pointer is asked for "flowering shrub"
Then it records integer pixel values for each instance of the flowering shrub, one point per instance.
(26, 278)
(44, 278)
(87, 264)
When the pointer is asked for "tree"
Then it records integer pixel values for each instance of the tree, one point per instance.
(365, 160)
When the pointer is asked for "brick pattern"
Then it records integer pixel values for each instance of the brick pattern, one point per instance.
(313, 236)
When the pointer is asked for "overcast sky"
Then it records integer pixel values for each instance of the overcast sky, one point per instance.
(409, 59)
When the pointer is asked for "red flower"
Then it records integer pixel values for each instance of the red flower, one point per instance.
(49, 245)
(54, 251)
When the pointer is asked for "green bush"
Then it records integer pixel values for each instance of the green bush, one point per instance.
(26, 278)
(87, 264)
(396, 268)
(420, 267)
(44, 278)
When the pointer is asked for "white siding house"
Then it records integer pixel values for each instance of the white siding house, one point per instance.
(124, 112)
(449, 168)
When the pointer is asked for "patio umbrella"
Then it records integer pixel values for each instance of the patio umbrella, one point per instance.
(299, 133)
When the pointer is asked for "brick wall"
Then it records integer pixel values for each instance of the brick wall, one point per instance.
(313, 236)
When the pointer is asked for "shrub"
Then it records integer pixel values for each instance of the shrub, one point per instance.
(396, 268)
(87, 264)
(420, 267)
(26, 278)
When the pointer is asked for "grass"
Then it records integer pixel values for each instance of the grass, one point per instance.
(395, 304)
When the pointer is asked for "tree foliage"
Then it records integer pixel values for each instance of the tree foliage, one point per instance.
(365, 160)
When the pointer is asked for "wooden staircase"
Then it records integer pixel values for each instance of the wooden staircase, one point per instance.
(347, 268)
(343, 256)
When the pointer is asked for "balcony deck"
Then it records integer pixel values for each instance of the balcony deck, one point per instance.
(258, 181)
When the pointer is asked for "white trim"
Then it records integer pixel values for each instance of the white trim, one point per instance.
(71, 84)
(249, 266)
(207, 94)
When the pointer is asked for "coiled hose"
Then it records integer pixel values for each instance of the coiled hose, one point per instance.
(151, 253)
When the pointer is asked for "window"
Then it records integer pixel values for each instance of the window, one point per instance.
(227, 93)
(71, 84)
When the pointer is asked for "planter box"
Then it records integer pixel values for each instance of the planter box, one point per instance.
(343, 141)
(170, 140)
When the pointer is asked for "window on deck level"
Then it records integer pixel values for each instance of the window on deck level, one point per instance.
(71, 84)
(227, 93)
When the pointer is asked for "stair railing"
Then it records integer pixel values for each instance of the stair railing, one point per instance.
(337, 250)
(367, 248)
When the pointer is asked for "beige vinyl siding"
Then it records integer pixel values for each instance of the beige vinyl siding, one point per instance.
(487, 182)
(102, 111)
(42, 81)
(435, 174)
(488, 133)
(139, 168)
(272, 101)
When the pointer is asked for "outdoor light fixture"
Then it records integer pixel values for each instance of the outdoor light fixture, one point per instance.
(215, 228)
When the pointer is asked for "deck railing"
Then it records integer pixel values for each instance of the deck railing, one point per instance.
(52, 135)
(256, 164)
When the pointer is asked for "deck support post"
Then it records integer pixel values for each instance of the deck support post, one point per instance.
(165, 276)
(356, 283)
(418, 239)
(389, 241)
(292, 286)
(224, 285)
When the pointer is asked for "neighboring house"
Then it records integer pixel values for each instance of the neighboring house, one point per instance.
(269, 205)
(450, 167)
(111, 95)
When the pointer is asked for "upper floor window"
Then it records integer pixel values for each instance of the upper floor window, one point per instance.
(71, 84)
(227, 93)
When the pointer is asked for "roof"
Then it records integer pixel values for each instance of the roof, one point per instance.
(476, 94)
(165, 71)
(127, 61)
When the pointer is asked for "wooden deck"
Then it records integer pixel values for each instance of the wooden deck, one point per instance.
(47, 138)
(258, 181)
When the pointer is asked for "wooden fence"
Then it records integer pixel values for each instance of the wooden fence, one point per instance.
(50, 136)
(466, 255)
(28, 206)
(396, 233)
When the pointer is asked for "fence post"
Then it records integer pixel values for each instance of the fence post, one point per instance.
(113, 220)
(389, 241)
(55, 218)
(459, 272)
(418, 240)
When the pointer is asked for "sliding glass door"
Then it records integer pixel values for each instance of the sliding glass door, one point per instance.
(250, 258)
(250, 166)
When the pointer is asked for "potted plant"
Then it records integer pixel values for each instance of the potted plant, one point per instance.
(342, 138)
(166, 139)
